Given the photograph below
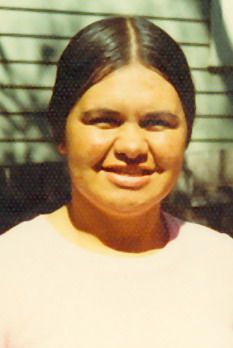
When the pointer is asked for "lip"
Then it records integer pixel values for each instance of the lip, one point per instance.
(129, 178)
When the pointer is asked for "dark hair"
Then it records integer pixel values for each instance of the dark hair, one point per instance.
(107, 45)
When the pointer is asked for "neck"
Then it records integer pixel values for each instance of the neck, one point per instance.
(127, 233)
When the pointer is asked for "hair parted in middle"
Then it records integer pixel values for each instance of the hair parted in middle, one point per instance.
(105, 46)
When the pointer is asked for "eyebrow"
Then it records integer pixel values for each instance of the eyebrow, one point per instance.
(157, 114)
(89, 114)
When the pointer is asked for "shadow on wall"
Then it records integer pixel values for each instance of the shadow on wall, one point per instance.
(31, 189)
(223, 45)
(204, 199)
(26, 90)
(30, 108)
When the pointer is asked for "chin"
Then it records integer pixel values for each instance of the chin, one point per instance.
(127, 208)
(122, 203)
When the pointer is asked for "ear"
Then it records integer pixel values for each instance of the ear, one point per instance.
(62, 149)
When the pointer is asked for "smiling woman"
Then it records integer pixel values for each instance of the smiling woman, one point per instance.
(129, 135)
(110, 268)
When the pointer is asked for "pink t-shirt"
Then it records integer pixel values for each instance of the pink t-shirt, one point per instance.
(54, 294)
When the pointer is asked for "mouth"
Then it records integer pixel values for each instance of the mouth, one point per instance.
(129, 170)
(129, 177)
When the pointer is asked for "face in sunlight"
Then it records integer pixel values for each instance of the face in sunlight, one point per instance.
(125, 140)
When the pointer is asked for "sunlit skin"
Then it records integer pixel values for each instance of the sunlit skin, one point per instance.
(124, 142)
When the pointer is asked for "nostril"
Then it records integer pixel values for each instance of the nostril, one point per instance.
(130, 144)
(139, 158)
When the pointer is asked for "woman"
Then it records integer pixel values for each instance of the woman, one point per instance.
(110, 269)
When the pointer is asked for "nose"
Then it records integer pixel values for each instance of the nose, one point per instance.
(130, 145)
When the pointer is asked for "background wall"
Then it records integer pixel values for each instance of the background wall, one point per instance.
(32, 36)
(222, 33)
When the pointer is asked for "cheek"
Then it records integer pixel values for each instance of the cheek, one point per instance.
(87, 146)
(168, 150)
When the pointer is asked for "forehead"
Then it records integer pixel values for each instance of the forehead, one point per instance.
(133, 85)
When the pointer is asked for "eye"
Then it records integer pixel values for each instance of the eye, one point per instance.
(159, 121)
(155, 123)
(105, 122)
(102, 118)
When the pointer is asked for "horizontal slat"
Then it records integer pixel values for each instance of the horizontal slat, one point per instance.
(24, 113)
(55, 37)
(25, 87)
(213, 128)
(213, 140)
(35, 36)
(31, 49)
(24, 140)
(214, 104)
(20, 127)
(15, 100)
(192, 10)
(205, 81)
(5, 61)
(185, 32)
(223, 93)
(19, 152)
(223, 116)
(197, 57)
(208, 146)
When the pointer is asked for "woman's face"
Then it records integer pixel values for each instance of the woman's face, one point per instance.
(124, 141)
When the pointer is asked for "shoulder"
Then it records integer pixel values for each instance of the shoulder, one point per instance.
(25, 237)
(202, 241)
(29, 252)
(19, 248)
(23, 229)
(206, 234)
(27, 260)
(194, 230)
